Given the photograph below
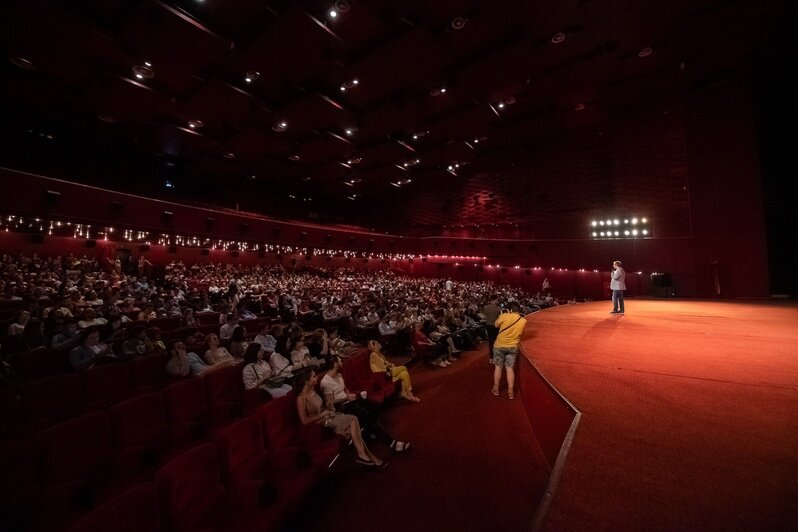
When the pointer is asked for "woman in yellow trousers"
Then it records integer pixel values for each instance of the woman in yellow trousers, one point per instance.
(379, 364)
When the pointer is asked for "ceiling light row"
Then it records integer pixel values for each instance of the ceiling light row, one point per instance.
(401, 182)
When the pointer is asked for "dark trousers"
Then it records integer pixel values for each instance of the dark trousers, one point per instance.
(366, 413)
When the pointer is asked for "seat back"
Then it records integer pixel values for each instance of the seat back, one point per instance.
(240, 448)
(148, 372)
(105, 385)
(17, 484)
(139, 422)
(54, 398)
(190, 489)
(135, 510)
(185, 401)
(280, 423)
(224, 390)
(40, 363)
(77, 449)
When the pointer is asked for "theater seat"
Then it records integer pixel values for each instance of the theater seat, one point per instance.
(47, 401)
(243, 458)
(192, 497)
(9, 412)
(140, 433)
(282, 431)
(358, 376)
(105, 385)
(224, 390)
(187, 411)
(148, 373)
(18, 486)
(75, 463)
(135, 510)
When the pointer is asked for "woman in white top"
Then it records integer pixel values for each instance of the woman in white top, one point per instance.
(258, 374)
(215, 353)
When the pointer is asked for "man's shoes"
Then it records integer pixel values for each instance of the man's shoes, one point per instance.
(614, 312)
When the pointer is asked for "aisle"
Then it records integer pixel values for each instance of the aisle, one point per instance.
(473, 466)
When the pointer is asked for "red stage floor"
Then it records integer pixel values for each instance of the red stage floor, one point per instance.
(690, 414)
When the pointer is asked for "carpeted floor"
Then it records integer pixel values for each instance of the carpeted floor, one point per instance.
(473, 466)
(690, 414)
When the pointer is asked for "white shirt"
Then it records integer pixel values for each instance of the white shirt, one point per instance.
(334, 386)
(226, 331)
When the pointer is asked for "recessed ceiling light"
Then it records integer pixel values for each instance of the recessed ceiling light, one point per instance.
(229, 155)
(438, 91)
(251, 76)
(280, 126)
(645, 52)
(306, 179)
(354, 160)
(148, 64)
(342, 6)
(294, 157)
(350, 131)
(252, 177)
(500, 105)
(22, 62)
(510, 101)
(195, 124)
(333, 13)
(558, 37)
(459, 23)
(143, 72)
(579, 107)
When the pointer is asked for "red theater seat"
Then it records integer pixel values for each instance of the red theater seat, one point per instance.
(104, 386)
(148, 373)
(9, 412)
(358, 377)
(140, 432)
(17, 484)
(135, 510)
(282, 431)
(243, 459)
(47, 401)
(75, 462)
(187, 410)
(224, 390)
(192, 497)
(40, 363)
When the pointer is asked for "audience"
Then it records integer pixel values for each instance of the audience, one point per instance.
(380, 364)
(89, 352)
(217, 354)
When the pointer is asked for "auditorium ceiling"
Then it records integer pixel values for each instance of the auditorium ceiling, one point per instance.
(351, 106)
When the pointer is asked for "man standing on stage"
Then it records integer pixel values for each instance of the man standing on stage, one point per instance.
(491, 312)
(617, 285)
(505, 349)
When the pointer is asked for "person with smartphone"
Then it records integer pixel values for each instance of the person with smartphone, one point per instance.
(505, 349)
(618, 286)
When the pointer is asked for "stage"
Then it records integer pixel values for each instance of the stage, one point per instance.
(689, 414)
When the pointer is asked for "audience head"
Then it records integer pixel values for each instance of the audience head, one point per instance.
(252, 353)
(238, 334)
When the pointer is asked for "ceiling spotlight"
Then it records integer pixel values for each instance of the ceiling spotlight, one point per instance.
(252, 177)
(626, 233)
(333, 13)
(143, 72)
(616, 233)
(594, 223)
(645, 231)
(350, 131)
(500, 105)
(645, 52)
(643, 220)
(354, 160)
(601, 222)
(616, 222)
(594, 233)
(459, 23)
(229, 155)
(355, 82)
(293, 157)
(279, 127)
(634, 221)
(195, 124)
(602, 233)
(579, 107)
(634, 232)
(558, 37)
(343, 89)
(23, 63)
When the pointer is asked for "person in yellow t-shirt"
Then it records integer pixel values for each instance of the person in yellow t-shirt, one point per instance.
(505, 349)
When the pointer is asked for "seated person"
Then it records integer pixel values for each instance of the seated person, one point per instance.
(258, 373)
(188, 320)
(136, 342)
(215, 353)
(89, 352)
(310, 410)
(226, 330)
(183, 364)
(238, 342)
(379, 364)
(68, 337)
(147, 313)
(319, 345)
(301, 355)
(422, 344)
(19, 324)
(264, 337)
(340, 347)
(338, 397)
(153, 340)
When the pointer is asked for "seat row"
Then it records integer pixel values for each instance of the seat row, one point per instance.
(144, 467)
